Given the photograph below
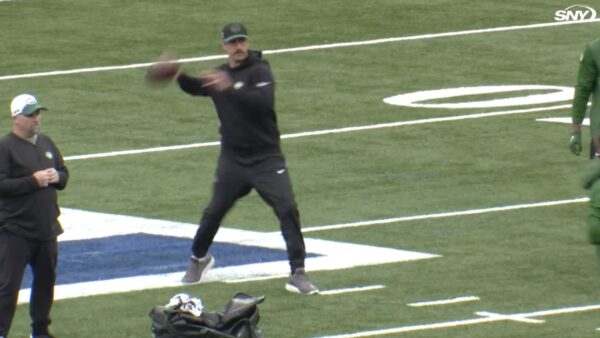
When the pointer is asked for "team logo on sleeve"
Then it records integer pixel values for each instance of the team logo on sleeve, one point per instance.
(238, 85)
(263, 84)
(49, 155)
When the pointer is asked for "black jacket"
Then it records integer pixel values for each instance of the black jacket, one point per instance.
(248, 129)
(26, 209)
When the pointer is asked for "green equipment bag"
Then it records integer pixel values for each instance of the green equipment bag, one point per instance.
(239, 319)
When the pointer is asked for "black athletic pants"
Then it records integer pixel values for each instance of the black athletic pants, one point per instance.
(271, 181)
(15, 254)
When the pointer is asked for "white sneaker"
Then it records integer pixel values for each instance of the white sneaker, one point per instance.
(197, 269)
(299, 283)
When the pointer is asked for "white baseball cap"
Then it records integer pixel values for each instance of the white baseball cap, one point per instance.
(25, 104)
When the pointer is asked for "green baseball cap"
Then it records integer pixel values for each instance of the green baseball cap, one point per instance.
(233, 31)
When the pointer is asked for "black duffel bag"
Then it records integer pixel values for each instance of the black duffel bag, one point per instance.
(239, 319)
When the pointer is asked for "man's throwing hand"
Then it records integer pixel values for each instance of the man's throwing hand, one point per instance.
(216, 80)
(162, 71)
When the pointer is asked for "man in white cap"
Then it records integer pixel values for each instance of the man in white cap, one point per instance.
(31, 171)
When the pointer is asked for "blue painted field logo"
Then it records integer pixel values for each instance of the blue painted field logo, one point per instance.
(105, 253)
(575, 13)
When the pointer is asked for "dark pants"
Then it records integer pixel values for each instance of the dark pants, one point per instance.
(593, 150)
(271, 181)
(15, 254)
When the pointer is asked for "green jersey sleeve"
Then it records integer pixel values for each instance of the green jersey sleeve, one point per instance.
(586, 81)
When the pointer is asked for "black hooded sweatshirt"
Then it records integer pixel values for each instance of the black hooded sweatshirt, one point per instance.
(248, 128)
(26, 209)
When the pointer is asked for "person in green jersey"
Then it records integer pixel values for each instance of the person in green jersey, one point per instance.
(587, 85)
(591, 182)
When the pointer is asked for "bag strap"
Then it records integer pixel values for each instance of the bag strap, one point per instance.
(240, 306)
(240, 323)
(195, 332)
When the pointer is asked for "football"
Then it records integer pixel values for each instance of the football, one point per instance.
(161, 72)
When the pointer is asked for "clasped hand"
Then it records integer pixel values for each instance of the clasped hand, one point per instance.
(46, 177)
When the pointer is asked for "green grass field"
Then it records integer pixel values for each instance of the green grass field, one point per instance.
(517, 261)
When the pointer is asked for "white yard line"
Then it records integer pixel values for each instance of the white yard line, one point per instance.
(515, 318)
(320, 132)
(351, 290)
(254, 279)
(444, 215)
(309, 48)
(142, 151)
(564, 120)
(104, 68)
(455, 300)
(415, 328)
(423, 121)
(489, 318)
